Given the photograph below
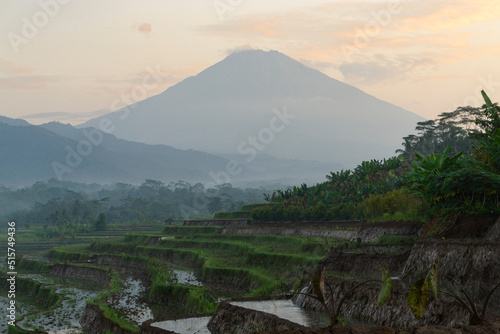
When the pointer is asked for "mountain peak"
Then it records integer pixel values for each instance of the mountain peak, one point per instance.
(242, 97)
(260, 74)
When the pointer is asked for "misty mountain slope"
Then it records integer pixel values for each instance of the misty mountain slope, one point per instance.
(13, 121)
(149, 158)
(224, 106)
(31, 152)
(142, 154)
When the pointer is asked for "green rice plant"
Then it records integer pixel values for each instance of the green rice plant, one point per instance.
(33, 266)
(180, 299)
(231, 247)
(16, 330)
(189, 258)
(190, 230)
(137, 239)
(107, 311)
(233, 215)
(395, 240)
(112, 247)
(64, 254)
(158, 273)
(287, 260)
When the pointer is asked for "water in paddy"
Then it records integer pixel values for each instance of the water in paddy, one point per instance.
(62, 320)
(128, 301)
(186, 278)
(284, 309)
(185, 326)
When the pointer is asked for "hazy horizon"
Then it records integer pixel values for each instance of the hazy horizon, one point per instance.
(68, 61)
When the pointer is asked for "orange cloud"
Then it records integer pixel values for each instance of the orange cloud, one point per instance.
(28, 82)
(417, 39)
(10, 68)
(145, 28)
(449, 16)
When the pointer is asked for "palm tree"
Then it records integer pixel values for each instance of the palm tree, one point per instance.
(215, 204)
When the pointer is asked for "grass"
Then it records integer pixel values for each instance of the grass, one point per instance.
(33, 266)
(395, 240)
(29, 239)
(190, 230)
(233, 215)
(108, 312)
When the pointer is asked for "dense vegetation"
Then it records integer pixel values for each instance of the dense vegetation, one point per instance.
(66, 208)
(451, 167)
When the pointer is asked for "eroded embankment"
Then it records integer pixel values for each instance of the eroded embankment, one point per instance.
(466, 260)
(219, 222)
(364, 232)
(368, 265)
(460, 259)
(362, 305)
(88, 273)
(488, 328)
(94, 321)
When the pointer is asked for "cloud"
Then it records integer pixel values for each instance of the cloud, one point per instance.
(10, 68)
(65, 116)
(29, 82)
(240, 48)
(383, 68)
(124, 84)
(145, 28)
(438, 29)
(137, 78)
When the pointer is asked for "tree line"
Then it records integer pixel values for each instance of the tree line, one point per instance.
(449, 168)
(55, 203)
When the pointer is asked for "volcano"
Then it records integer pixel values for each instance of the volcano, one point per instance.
(258, 101)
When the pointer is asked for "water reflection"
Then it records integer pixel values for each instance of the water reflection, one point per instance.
(286, 309)
(185, 326)
(186, 278)
(128, 301)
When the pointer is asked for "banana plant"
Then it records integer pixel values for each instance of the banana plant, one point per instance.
(435, 163)
(335, 309)
(493, 123)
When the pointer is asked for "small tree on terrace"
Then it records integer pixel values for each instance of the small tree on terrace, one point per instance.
(101, 223)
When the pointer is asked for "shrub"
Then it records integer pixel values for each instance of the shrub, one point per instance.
(395, 203)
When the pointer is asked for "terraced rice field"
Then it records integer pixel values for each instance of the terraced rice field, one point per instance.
(180, 271)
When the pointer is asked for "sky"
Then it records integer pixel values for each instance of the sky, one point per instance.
(71, 60)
